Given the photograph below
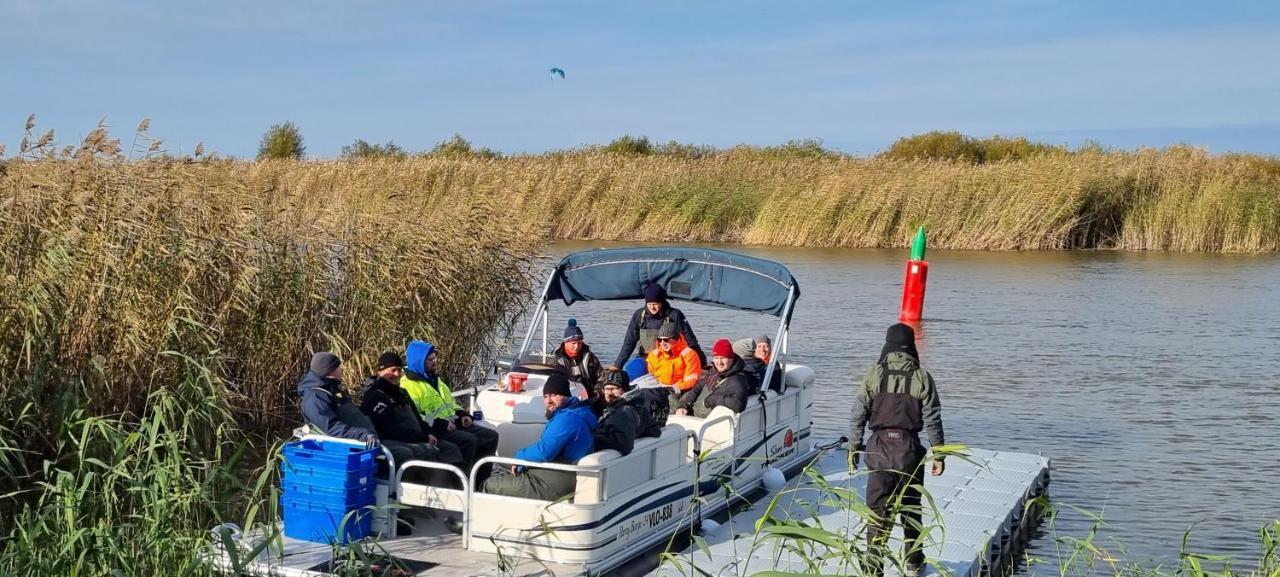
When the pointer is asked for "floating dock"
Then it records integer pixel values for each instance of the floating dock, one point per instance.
(979, 525)
(982, 505)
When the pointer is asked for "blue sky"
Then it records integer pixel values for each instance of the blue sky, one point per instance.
(855, 74)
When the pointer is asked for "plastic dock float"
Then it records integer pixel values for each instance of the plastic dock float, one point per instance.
(981, 504)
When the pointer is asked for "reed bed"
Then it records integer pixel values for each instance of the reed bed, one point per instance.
(155, 316)
(1180, 199)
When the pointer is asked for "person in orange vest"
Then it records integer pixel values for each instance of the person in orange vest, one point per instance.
(672, 362)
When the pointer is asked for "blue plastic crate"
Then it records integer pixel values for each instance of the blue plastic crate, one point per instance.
(334, 455)
(329, 464)
(319, 523)
(305, 490)
(334, 479)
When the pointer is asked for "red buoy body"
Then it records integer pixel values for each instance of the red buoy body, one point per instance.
(913, 291)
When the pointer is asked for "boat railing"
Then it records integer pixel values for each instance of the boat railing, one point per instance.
(599, 470)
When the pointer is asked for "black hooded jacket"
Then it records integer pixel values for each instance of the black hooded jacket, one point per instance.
(585, 369)
(731, 388)
(393, 413)
(619, 426)
(642, 318)
(756, 369)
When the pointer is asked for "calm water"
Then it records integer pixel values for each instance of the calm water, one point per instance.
(1151, 380)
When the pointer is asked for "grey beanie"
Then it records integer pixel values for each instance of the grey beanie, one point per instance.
(744, 348)
(324, 363)
(764, 339)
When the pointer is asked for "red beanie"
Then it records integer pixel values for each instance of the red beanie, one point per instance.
(722, 348)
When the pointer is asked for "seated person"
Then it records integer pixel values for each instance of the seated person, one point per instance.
(566, 438)
(726, 386)
(576, 361)
(672, 363)
(449, 421)
(619, 423)
(397, 422)
(764, 349)
(754, 366)
(326, 408)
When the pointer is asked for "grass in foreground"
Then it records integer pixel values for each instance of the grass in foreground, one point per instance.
(154, 319)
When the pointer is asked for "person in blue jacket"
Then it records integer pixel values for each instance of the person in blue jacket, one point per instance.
(566, 438)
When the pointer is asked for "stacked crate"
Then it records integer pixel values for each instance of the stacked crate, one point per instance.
(328, 490)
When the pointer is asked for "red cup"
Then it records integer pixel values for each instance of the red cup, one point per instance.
(515, 382)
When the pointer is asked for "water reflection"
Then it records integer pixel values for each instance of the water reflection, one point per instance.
(1149, 378)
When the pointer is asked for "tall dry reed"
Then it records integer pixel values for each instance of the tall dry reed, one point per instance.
(125, 285)
(1180, 199)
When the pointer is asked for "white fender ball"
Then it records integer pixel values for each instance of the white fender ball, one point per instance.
(709, 525)
(774, 480)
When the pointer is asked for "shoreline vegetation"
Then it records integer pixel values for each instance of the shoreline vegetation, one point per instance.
(155, 312)
(983, 194)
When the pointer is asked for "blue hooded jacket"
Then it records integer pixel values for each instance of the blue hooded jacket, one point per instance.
(567, 436)
(415, 361)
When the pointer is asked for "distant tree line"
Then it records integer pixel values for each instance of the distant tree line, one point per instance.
(284, 141)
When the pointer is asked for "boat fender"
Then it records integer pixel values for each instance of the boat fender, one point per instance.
(231, 531)
(774, 480)
(709, 525)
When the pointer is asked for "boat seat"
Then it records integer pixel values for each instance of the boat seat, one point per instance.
(719, 436)
(652, 457)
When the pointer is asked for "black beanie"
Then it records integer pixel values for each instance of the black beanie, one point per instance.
(616, 378)
(324, 363)
(390, 359)
(900, 338)
(668, 330)
(557, 384)
(654, 293)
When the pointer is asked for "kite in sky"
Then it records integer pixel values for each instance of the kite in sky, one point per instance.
(556, 72)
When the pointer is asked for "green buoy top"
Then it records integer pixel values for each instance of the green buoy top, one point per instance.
(917, 245)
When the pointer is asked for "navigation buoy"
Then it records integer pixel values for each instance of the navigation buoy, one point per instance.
(914, 284)
(774, 480)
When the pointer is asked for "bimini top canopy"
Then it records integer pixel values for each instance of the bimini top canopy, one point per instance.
(700, 275)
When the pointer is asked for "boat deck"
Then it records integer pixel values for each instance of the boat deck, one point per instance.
(431, 550)
(981, 505)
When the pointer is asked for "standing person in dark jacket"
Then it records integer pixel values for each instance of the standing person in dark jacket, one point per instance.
(642, 332)
(619, 423)
(326, 406)
(397, 421)
(576, 361)
(898, 399)
(725, 386)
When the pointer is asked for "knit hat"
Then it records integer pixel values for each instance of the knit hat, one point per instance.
(900, 338)
(616, 378)
(763, 339)
(654, 293)
(390, 359)
(744, 347)
(324, 363)
(557, 384)
(572, 332)
(722, 348)
(636, 368)
(669, 330)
